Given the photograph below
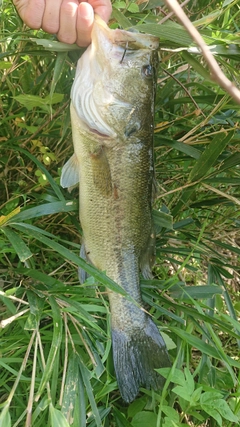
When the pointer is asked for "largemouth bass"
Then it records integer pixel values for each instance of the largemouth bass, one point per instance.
(112, 112)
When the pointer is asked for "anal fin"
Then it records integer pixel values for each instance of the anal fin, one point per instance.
(148, 256)
(82, 274)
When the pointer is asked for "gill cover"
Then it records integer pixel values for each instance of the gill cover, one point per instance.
(89, 95)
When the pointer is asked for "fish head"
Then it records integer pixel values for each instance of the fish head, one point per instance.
(113, 91)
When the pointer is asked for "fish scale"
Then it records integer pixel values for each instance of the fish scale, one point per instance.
(112, 126)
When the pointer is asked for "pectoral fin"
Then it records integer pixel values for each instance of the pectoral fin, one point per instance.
(70, 173)
(101, 172)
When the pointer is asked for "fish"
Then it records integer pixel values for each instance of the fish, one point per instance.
(112, 116)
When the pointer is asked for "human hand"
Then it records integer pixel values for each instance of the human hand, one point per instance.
(71, 20)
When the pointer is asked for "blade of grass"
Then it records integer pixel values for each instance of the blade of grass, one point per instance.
(203, 347)
(19, 245)
(5, 419)
(57, 418)
(45, 209)
(71, 388)
(67, 254)
(209, 156)
(55, 345)
(88, 387)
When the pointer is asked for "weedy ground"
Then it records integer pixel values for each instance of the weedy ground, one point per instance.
(56, 365)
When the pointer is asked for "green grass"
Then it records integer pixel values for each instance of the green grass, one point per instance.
(55, 352)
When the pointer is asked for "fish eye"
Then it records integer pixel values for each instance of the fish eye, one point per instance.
(147, 71)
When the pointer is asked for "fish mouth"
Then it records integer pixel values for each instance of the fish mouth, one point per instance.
(122, 38)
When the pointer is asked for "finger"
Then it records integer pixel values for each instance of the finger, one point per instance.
(51, 16)
(31, 12)
(68, 19)
(85, 18)
(103, 8)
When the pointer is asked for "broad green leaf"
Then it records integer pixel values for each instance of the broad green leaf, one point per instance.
(36, 305)
(207, 19)
(196, 396)
(183, 392)
(33, 101)
(19, 245)
(5, 419)
(198, 292)
(57, 418)
(229, 51)
(197, 66)
(217, 407)
(38, 276)
(225, 411)
(136, 406)
(150, 4)
(55, 46)
(170, 344)
(121, 18)
(177, 376)
(133, 8)
(45, 209)
(178, 145)
(230, 162)
(5, 65)
(189, 380)
(170, 31)
(171, 413)
(210, 410)
(183, 223)
(58, 69)
(211, 397)
(209, 156)
(162, 219)
(119, 5)
(144, 418)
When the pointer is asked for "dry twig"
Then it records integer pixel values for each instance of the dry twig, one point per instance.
(217, 74)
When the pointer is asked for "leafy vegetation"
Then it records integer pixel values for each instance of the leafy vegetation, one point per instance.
(56, 366)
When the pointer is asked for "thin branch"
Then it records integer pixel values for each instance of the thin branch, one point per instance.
(185, 90)
(172, 13)
(217, 74)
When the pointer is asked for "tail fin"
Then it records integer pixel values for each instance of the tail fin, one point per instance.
(136, 355)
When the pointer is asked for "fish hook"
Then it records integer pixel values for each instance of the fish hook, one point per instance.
(124, 53)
